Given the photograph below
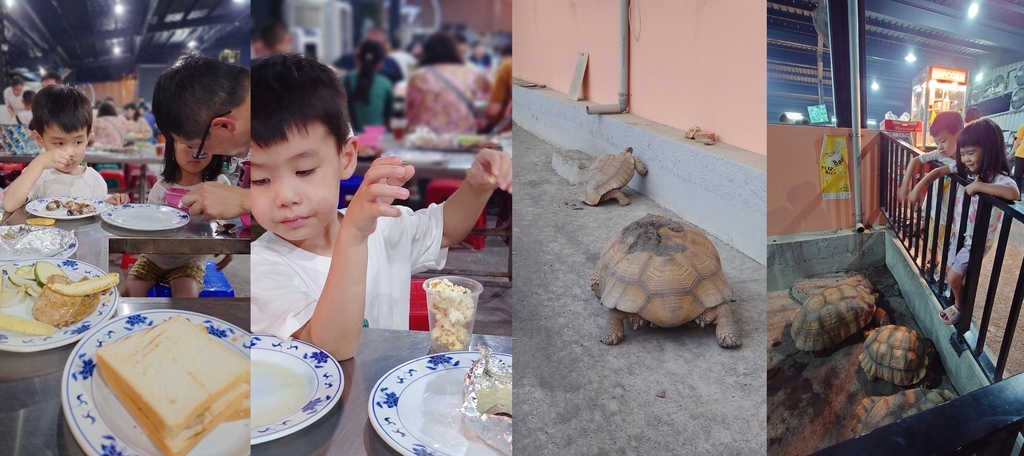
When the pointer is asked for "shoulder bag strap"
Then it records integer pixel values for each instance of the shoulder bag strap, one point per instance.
(447, 82)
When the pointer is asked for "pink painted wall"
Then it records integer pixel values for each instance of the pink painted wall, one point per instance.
(692, 62)
(794, 185)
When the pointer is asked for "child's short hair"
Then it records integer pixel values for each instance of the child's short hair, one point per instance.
(61, 106)
(17, 81)
(28, 97)
(292, 92)
(946, 121)
(988, 136)
(191, 93)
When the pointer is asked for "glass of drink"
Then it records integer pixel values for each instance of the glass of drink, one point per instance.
(398, 126)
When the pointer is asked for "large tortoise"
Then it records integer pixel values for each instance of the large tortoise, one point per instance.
(897, 355)
(664, 272)
(875, 412)
(836, 312)
(608, 175)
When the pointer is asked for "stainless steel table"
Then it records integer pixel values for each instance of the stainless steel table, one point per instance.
(346, 430)
(97, 239)
(30, 412)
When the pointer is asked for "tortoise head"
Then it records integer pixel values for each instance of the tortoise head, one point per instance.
(627, 151)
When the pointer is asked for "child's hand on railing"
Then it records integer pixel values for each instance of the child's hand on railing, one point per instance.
(903, 193)
(973, 188)
(914, 196)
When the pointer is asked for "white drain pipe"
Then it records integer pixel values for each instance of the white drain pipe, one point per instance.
(853, 12)
(623, 66)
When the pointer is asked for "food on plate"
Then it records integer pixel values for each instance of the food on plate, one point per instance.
(487, 407)
(73, 207)
(61, 310)
(86, 287)
(452, 306)
(176, 380)
(40, 221)
(43, 270)
(53, 205)
(25, 325)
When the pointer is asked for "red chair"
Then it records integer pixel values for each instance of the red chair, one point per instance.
(12, 166)
(418, 306)
(114, 179)
(439, 190)
(134, 171)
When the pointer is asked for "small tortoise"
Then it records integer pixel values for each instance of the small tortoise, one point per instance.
(836, 312)
(608, 175)
(897, 355)
(663, 272)
(875, 412)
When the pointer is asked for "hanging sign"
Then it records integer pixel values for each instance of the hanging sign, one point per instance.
(835, 178)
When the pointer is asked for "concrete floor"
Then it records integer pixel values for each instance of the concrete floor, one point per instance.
(577, 396)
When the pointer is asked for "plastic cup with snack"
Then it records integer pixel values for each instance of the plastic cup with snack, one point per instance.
(173, 196)
(451, 311)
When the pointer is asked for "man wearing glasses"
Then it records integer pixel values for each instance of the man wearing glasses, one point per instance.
(203, 103)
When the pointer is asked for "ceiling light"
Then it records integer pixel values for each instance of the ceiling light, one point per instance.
(794, 115)
(238, 1)
(910, 57)
(10, 3)
(872, 122)
(117, 50)
(978, 77)
(973, 10)
(119, 8)
(874, 85)
(42, 71)
(192, 44)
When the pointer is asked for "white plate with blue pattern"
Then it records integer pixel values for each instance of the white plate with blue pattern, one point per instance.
(38, 207)
(100, 423)
(417, 407)
(19, 342)
(145, 217)
(293, 385)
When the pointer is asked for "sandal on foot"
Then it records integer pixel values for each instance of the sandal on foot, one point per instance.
(950, 315)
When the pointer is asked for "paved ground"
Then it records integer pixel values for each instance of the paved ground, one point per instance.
(812, 400)
(577, 396)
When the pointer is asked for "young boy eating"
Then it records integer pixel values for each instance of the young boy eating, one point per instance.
(320, 274)
(62, 126)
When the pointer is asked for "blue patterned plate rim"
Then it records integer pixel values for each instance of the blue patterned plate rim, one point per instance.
(65, 253)
(92, 433)
(408, 444)
(38, 207)
(180, 220)
(16, 342)
(330, 385)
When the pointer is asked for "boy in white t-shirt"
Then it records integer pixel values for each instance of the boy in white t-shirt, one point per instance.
(320, 274)
(944, 128)
(62, 126)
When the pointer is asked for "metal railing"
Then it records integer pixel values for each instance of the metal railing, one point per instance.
(918, 229)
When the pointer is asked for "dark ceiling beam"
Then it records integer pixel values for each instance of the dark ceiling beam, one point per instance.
(145, 29)
(47, 39)
(191, 7)
(937, 17)
(1007, 5)
(192, 23)
(121, 33)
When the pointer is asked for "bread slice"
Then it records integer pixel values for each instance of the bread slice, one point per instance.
(176, 381)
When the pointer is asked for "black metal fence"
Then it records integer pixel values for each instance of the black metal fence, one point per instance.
(925, 235)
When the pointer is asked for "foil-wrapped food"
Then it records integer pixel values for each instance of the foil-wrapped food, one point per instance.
(488, 405)
(19, 242)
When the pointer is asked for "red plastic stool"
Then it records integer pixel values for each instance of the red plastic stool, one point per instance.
(113, 176)
(439, 190)
(418, 306)
(128, 260)
(133, 177)
(12, 166)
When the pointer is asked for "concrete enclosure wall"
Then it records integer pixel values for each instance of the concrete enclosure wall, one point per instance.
(795, 204)
(692, 62)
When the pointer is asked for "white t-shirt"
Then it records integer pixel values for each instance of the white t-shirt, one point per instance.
(23, 117)
(13, 100)
(287, 281)
(158, 195)
(939, 186)
(53, 183)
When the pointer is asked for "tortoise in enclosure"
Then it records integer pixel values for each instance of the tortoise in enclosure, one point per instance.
(875, 412)
(608, 175)
(896, 354)
(834, 313)
(664, 272)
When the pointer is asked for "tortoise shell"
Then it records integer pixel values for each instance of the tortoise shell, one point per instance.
(875, 412)
(895, 354)
(828, 317)
(609, 172)
(666, 271)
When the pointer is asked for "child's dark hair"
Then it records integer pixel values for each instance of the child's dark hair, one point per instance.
(61, 106)
(987, 136)
(172, 170)
(55, 76)
(946, 121)
(188, 95)
(28, 97)
(17, 81)
(371, 54)
(290, 92)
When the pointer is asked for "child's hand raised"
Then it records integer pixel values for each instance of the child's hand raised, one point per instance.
(382, 185)
(56, 158)
(491, 170)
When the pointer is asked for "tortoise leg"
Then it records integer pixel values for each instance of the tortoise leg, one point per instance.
(618, 195)
(640, 168)
(615, 332)
(725, 325)
(881, 317)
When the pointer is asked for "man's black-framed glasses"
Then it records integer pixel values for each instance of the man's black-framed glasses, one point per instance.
(198, 154)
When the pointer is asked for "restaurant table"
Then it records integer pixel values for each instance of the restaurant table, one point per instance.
(346, 429)
(144, 156)
(30, 411)
(97, 239)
